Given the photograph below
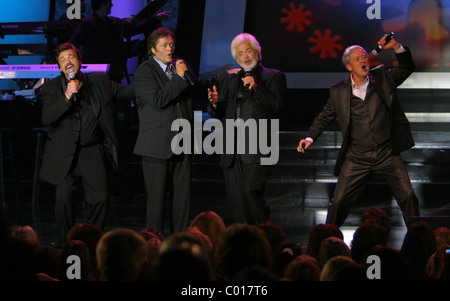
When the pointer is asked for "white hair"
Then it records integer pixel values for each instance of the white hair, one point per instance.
(244, 37)
(347, 51)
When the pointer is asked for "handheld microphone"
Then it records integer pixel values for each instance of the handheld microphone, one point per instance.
(72, 80)
(377, 50)
(187, 76)
(247, 73)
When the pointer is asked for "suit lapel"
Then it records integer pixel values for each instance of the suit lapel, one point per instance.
(64, 82)
(232, 101)
(93, 95)
(377, 86)
(345, 99)
(155, 66)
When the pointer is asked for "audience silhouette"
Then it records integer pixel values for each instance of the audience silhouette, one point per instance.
(367, 236)
(418, 245)
(438, 267)
(241, 246)
(85, 271)
(332, 247)
(343, 268)
(122, 256)
(184, 256)
(207, 250)
(317, 234)
(303, 268)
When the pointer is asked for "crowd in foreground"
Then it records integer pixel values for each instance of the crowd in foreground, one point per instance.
(210, 251)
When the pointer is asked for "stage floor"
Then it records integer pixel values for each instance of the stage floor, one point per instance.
(128, 210)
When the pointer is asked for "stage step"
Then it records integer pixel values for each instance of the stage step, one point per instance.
(300, 186)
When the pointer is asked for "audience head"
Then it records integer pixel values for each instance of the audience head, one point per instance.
(367, 236)
(438, 267)
(66, 263)
(332, 247)
(88, 233)
(286, 253)
(25, 234)
(274, 234)
(418, 245)
(378, 216)
(442, 236)
(20, 261)
(393, 265)
(121, 255)
(303, 268)
(209, 223)
(154, 242)
(47, 261)
(205, 240)
(241, 246)
(342, 268)
(317, 234)
(183, 256)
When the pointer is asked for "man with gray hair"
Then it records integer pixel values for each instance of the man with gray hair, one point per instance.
(375, 130)
(251, 93)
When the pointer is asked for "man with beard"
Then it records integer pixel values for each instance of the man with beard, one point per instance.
(78, 109)
(252, 93)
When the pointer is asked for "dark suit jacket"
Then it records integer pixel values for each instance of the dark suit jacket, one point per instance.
(264, 103)
(63, 122)
(157, 99)
(385, 82)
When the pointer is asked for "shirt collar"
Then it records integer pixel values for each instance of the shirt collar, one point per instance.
(364, 83)
(162, 65)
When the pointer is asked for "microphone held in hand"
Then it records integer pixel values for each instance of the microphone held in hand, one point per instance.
(187, 75)
(377, 50)
(247, 73)
(72, 80)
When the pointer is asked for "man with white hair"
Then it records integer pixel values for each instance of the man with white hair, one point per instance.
(252, 93)
(375, 130)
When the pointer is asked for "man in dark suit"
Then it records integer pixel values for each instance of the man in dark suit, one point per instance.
(163, 95)
(375, 130)
(252, 93)
(79, 112)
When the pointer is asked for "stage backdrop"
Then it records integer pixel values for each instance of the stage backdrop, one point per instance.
(311, 35)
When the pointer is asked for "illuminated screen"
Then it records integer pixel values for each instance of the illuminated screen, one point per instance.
(24, 11)
(311, 35)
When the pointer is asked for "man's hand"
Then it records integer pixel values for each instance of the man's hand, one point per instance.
(181, 67)
(213, 95)
(163, 15)
(303, 145)
(392, 44)
(72, 87)
(234, 71)
(250, 81)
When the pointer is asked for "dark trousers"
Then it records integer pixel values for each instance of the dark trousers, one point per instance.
(163, 177)
(359, 163)
(245, 186)
(89, 170)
